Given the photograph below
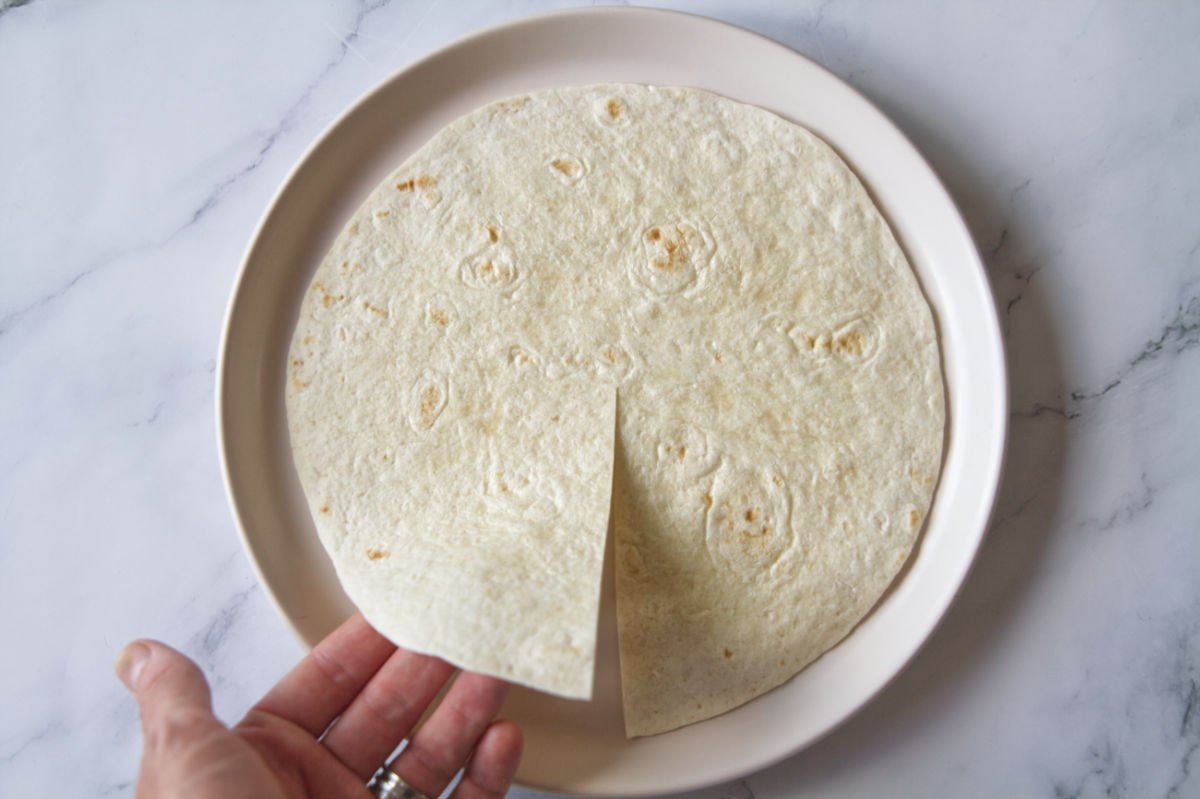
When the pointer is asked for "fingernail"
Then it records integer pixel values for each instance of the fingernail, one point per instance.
(130, 662)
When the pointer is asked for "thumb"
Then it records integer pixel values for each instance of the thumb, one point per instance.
(170, 690)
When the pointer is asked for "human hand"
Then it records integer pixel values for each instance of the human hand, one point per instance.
(286, 748)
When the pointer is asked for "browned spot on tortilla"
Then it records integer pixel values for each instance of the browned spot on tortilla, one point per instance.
(426, 181)
(375, 309)
(750, 515)
(519, 355)
(920, 477)
(405, 185)
(562, 165)
(728, 654)
(386, 457)
(297, 383)
(676, 250)
(914, 517)
(353, 229)
(493, 234)
(556, 418)
(707, 501)
(613, 108)
(377, 554)
(718, 357)
(851, 342)
(324, 508)
(512, 104)
(382, 214)
(429, 399)
(682, 451)
(758, 536)
(327, 299)
(307, 339)
(439, 317)
(609, 354)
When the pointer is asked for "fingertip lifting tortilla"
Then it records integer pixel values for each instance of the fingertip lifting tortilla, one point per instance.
(712, 277)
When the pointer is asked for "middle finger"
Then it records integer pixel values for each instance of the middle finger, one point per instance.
(386, 710)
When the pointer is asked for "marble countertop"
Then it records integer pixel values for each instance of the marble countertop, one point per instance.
(141, 141)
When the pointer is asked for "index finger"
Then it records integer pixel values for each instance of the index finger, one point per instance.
(322, 685)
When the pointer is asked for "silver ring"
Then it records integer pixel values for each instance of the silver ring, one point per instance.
(386, 784)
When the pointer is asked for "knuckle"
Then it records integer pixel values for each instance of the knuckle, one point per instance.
(179, 729)
(333, 669)
(258, 721)
(390, 707)
(434, 763)
(173, 668)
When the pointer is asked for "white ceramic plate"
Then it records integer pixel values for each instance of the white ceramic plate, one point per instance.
(572, 746)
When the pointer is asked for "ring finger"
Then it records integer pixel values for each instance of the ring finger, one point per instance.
(442, 745)
(386, 710)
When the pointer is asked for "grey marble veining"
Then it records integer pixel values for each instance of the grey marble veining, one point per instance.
(140, 142)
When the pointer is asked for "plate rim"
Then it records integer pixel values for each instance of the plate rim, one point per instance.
(993, 339)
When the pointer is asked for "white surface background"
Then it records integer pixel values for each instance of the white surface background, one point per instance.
(141, 141)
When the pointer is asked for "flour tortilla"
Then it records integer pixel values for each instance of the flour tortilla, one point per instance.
(710, 273)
